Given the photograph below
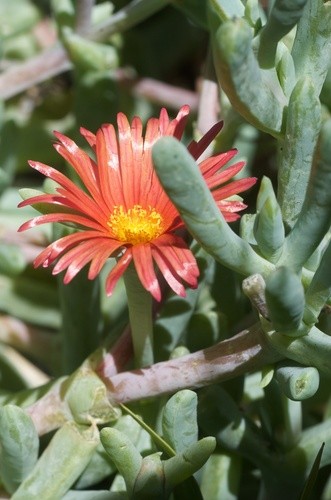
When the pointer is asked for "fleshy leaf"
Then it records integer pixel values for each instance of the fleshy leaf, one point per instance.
(19, 446)
(179, 422)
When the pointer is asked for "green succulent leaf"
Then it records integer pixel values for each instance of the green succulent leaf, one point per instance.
(183, 465)
(202, 216)
(269, 230)
(19, 446)
(303, 122)
(298, 382)
(179, 421)
(86, 396)
(62, 462)
(87, 55)
(256, 94)
(128, 461)
(221, 476)
(285, 301)
(284, 15)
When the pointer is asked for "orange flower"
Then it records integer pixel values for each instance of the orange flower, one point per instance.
(123, 210)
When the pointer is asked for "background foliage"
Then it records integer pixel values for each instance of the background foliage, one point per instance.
(258, 423)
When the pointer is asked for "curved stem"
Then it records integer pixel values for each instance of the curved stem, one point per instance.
(249, 350)
(240, 354)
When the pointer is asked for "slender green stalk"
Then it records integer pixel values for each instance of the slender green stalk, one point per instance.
(159, 441)
(140, 314)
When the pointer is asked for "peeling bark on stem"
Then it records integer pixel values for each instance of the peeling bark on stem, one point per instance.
(245, 352)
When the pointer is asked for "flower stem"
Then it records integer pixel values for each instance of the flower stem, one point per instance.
(140, 314)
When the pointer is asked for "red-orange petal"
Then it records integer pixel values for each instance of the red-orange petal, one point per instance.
(89, 136)
(234, 187)
(224, 175)
(143, 261)
(118, 271)
(211, 165)
(109, 166)
(80, 161)
(61, 217)
(55, 249)
(168, 272)
(179, 257)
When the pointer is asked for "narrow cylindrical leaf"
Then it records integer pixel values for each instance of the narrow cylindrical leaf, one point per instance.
(183, 465)
(19, 445)
(179, 421)
(297, 150)
(283, 17)
(312, 349)
(314, 219)
(257, 95)
(62, 462)
(314, 260)
(150, 481)
(266, 191)
(124, 455)
(286, 70)
(221, 476)
(220, 415)
(319, 289)
(268, 227)
(285, 301)
(189, 192)
(88, 55)
(312, 43)
(247, 228)
(298, 382)
(98, 469)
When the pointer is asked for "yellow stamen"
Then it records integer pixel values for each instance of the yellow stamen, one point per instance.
(137, 225)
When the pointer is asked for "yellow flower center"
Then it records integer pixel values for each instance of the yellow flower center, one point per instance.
(137, 225)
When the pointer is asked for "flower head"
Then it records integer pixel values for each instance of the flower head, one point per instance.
(123, 210)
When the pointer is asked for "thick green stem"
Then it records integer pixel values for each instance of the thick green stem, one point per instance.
(140, 314)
